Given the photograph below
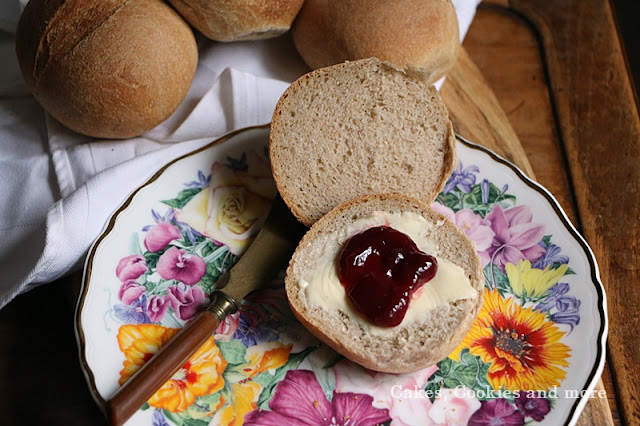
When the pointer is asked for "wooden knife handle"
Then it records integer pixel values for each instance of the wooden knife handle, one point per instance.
(268, 253)
(155, 373)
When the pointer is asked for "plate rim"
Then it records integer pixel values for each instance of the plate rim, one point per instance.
(598, 366)
(108, 227)
(601, 340)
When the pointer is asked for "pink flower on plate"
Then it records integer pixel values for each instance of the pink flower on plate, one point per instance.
(387, 391)
(158, 306)
(497, 412)
(160, 235)
(131, 267)
(300, 401)
(454, 406)
(130, 292)
(185, 300)
(516, 237)
(477, 229)
(227, 328)
(442, 209)
(177, 264)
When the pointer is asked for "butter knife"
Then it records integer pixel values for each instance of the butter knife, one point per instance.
(266, 256)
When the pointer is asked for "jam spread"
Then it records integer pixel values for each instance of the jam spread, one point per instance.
(380, 269)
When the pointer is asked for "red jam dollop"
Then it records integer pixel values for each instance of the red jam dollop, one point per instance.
(380, 269)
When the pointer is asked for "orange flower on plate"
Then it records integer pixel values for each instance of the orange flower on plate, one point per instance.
(139, 343)
(265, 356)
(244, 392)
(201, 375)
(521, 345)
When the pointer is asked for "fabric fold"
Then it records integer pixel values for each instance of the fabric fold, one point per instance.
(63, 187)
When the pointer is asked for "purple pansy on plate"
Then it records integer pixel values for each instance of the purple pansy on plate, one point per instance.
(531, 357)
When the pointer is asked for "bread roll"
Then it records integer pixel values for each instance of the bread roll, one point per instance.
(106, 68)
(361, 127)
(224, 20)
(419, 33)
(409, 346)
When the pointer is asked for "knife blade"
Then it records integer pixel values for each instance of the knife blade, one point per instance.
(266, 256)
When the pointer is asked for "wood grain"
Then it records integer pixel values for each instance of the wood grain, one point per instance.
(576, 109)
(477, 114)
(600, 129)
(467, 95)
(499, 39)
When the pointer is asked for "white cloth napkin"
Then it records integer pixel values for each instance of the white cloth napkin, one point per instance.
(59, 188)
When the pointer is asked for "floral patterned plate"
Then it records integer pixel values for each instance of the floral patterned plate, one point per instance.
(533, 354)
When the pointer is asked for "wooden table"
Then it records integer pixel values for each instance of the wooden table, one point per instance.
(558, 71)
(541, 82)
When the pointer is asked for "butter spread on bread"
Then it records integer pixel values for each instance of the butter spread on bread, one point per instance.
(322, 285)
(422, 340)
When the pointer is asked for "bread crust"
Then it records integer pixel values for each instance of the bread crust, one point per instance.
(409, 349)
(239, 19)
(299, 161)
(414, 33)
(106, 68)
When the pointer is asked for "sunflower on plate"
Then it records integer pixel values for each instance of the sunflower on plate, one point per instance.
(521, 346)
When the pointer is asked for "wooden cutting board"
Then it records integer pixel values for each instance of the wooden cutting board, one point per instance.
(478, 117)
(545, 84)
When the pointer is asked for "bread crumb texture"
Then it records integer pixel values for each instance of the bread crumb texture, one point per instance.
(361, 127)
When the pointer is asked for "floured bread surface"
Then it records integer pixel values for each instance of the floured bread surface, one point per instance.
(357, 128)
(407, 347)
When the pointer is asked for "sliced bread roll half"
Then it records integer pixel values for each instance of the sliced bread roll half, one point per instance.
(356, 128)
(439, 314)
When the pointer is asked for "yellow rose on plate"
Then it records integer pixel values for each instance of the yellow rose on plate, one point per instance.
(234, 206)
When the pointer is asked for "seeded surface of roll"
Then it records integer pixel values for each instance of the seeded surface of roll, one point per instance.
(356, 128)
(408, 347)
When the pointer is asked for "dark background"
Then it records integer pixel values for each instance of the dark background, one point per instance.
(628, 17)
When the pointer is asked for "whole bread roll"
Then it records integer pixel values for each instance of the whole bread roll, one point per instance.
(106, 68)
(224, 20)
(356, 128)
(430, 336)
(419, 33)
